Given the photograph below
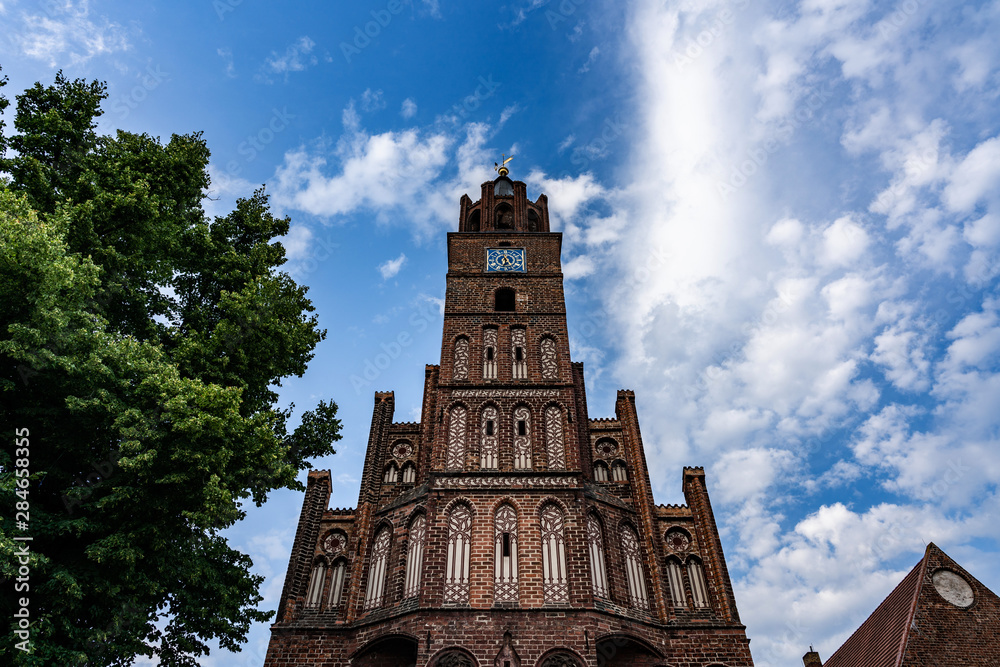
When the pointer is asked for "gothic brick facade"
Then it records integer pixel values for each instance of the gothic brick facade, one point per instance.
(507, 528)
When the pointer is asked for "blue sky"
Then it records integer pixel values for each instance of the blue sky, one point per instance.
(781, 229)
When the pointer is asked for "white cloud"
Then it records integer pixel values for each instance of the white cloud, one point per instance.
(227, 58)
(67, 35)
(372, 100)
(591, 59)
(412, 177)
(390, 268)
(408, 108)
(296, 58)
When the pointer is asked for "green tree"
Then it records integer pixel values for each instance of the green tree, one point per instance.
(140, 347)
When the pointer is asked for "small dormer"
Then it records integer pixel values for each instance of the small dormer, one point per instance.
(504, 207)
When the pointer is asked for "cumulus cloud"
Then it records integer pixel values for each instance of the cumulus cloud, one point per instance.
(408, 109)
(390, 268)
(804, 284)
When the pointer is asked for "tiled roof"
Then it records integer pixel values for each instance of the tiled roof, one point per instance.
(880, 640)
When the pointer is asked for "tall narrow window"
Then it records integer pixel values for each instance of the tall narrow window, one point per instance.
(618, 472)
(554, 444)
(489, 446)
(391, 474)
(489, 354)
(414, 556)
(409, 473)
(676, 583)
(595, 545)
(518, 341)
(550, 366)
(456, 575)
(377, 570)
(474, 221)
(555, 586)
(633, 569)
(505, 555)
(336, 584)
(699, 591)
(522, 438)
(316, 581)
(600, 471)
(455, 455)
(461, 370)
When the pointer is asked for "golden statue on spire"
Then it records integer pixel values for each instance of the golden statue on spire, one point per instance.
(502, 167)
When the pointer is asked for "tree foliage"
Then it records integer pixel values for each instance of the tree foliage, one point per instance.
(141, 346)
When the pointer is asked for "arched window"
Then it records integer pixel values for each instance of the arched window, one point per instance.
(474, 220)
(504, 300)
(533, 223)
(391, 474)
(600, 471)
(555, 448)
(455, 455)
(618, 472)
(676, 582)
(518, 358)
(633, 569)
(409, 473)
(503, 216)
(337, 584)
(505, 555)
(456, 575)
(489, 353)
(414, 555)
(550, 366)
(489, 445)
(699, 590)
(461, 368)
(377, 569)
(555, 586)
(522, 437)
(316, 581)
(595, 545)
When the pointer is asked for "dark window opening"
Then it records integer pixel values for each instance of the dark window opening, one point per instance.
(522, 428)
(489, 354)
(519, 353)
(506, 545)
(489, 427)
(532, 221)
(505, 244)
(504, 300)
(474, 218)
(504, 217)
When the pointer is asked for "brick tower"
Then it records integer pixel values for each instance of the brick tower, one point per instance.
(507, 528)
